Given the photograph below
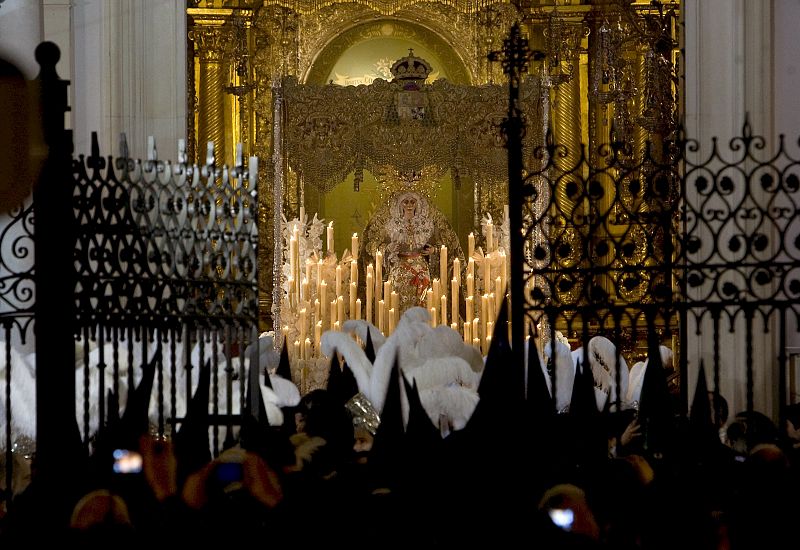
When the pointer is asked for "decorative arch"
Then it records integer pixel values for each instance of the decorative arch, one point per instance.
(390, 34)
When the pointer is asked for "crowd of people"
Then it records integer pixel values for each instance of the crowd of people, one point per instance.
(336, 472)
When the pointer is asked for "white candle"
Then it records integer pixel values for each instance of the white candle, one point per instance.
(354, 246)
(391, 321)
(457, 270)
(470, 245)
(454, 301)
(470, 285)
(387, 293)
(443, 276)
(381, 317)
(331, 246)
(308, 351)
(354, 272)
(358, 309)
(317, 334)
(338, 280)
(323, 299)
(489, 237)
(395, 301)
(353, 290)
(340, 310)
(434, 320)
(378, 277)
(370, 292)
(469, 310)
(443, 310)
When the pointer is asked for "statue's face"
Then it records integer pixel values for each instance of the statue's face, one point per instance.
(409, 205)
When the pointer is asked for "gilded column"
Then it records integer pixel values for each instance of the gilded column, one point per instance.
(210, 43)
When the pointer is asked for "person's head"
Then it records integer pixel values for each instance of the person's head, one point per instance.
(363, 443)
(408, 205)
(791, 416)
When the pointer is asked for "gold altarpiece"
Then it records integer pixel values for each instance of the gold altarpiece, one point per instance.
(608, 75)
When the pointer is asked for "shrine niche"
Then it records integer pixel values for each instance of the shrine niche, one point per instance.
(411, 137)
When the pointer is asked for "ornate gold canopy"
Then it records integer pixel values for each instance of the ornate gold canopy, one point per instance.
(608, 74)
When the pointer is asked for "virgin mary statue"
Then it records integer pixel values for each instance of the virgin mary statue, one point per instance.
(410, 232)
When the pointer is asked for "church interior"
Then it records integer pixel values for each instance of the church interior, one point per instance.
(559, 225)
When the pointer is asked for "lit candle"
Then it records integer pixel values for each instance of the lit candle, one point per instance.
(308, 350)
(358, 309)
(470, 285)
(323, 299)
(499, 292)
(354, 272)
(387, 293)
(476, 330)
(391, 321)
(334, 312)
(436, 292)
(338, 280)
(317, 334)
(429, 299)
(354, 246)
(304, 290)
(434, 320)
(317, 310)
(484, 314)
(319, 275)
(443, 310)
(353, 290)
(467, 333)
(303, 325)
(331, 246)
(454, 301)
(469, 312)
(378, 277)
(457, 270)
(454, 326)
(504, 269)
(476, 344)
(370, 292)
(297, 349)
(340, 310)
(470, 245)
(443, 266)
(489, 236)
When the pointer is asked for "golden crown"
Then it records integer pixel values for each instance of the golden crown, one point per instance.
(410, 67)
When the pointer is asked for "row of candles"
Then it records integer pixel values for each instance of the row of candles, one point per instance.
(318, 308)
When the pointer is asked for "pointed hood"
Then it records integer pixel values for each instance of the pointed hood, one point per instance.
(701, 425)
(421, 433)
(284, 366)
(501, 380)
(192, 448)
(369, 348)
(540, 403)
(341, 382)
(583, 403)
(135, 421)
(385, 457)
(655, 405)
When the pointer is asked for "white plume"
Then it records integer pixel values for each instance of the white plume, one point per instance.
(603, 360)
(333, 341)
(453, 403)
(287, 393)
(636, 376)
(440, 371)
(565, 373)
(360, 327)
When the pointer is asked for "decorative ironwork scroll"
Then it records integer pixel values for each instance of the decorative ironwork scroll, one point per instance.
(162, 243)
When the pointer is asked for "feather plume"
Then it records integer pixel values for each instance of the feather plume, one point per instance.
(454, 403)
(565, 373)
(360, 328)
(444, 371)
(333, 341)
(605, 365)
